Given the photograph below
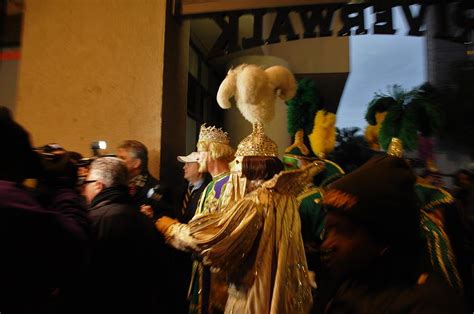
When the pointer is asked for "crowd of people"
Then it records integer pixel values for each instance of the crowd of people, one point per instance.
(251, 233)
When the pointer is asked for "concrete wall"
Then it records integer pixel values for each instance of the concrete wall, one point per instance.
(443, 56)
(93, 70)
(8, 83)
(311, 55)
(175, 86)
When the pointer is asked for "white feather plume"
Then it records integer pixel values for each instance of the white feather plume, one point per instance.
(255, 90)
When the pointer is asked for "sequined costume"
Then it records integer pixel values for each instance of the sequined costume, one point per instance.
(312, 214)
(313, 131)
(212, 199)
(208, 291)
(257, 242)
(311, 210)
(439, 247)
(438, 244)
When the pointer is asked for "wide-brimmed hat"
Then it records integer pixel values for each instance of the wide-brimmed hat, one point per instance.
(379, 196)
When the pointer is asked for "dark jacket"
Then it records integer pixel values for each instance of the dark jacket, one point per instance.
(42, 248)
(139, 196)
(185, 214)
(123, 275)
(159, 198)
(432, 297)
(394, 290)
(182, 262)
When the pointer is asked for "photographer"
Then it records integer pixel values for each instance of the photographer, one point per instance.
(146, 192)
(126, 249)
(43, 244)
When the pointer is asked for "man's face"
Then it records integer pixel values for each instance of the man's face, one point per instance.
(191, 171)
(347, 247)
(132, 164)
(203, 157)
(91, 188)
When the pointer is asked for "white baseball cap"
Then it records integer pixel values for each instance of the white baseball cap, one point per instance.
(193, 157)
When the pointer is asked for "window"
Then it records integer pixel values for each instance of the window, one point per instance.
(203, 83)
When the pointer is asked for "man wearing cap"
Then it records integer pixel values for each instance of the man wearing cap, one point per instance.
(182, 262)
(206, 294)
(197, 181)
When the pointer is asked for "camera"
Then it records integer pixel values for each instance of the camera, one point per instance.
(50, 151)
(159, 204)
(98, 145)
(53, 153)
(154, 194)
(84, 163)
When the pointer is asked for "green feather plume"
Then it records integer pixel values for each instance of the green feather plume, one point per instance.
(428, 114)
(390, 125)
(408, 133)
(408, 112)
(429, 118)
(302, 108)
(379, 104)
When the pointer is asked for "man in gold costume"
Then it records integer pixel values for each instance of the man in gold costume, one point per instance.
(207, 292)
(215, 155)
(255, 240)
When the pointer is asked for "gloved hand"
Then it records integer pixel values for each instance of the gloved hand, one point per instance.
(59, 171)
(164, 223)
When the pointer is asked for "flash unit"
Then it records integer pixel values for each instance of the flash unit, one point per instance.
(98, 145)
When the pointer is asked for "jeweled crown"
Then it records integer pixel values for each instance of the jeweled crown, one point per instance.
(257, 144)
(213, 134)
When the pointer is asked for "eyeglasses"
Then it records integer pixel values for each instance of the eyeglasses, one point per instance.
(88, 181)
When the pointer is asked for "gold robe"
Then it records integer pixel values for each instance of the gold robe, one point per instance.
(257, 242)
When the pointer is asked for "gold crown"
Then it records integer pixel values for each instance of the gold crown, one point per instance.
(257, 144)
(213, 134)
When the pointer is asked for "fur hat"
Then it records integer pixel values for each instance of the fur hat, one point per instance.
(380, 197)
(255, 90)
(18, 161)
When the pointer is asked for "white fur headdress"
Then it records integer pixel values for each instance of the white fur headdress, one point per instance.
(255, 90)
